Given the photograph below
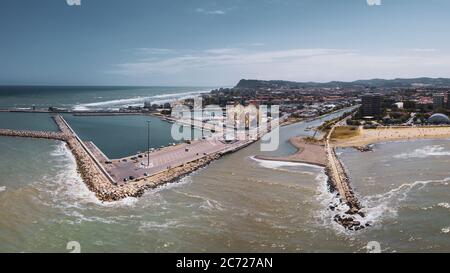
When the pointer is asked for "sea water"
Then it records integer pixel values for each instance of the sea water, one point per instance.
(235, 204)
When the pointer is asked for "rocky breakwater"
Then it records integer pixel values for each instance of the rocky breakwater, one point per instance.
(89, 170)
(338, 182)
(91, 174)
(107, 190)
(138, 187)
(365, 148)
(33, 134)
(96, 178)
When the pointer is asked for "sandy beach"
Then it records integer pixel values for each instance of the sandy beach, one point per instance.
(370, 136)
(308, 152)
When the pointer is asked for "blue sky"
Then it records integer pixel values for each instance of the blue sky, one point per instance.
(218, 42)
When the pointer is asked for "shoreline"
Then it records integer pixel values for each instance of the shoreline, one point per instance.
(106, 189)
(97, 179)
(307, 152)
(366, 137)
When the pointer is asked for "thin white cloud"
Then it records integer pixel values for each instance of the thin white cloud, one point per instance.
(423, 49)
(155, 51)
(226, 50)
(374, 2)
(224, 66)
(224, 57)
(211, 12)
(73, 2)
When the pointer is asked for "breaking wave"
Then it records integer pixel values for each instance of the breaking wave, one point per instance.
(137, 101)
(65, 190)
(427, 151)
(444, 205)
(375, 207)
(285, 165)
(328, 200)
(185, 180)
(2, 188)
(156, 226)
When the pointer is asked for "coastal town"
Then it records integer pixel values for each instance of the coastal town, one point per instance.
(225, 127)
(370, 115)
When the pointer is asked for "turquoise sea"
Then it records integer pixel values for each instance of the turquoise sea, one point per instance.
(235, 204)
(121, 136)
(27, 121)
(94, 97)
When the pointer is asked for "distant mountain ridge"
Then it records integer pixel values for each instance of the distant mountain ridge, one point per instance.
(375, 83)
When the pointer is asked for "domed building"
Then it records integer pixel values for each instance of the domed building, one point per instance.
(439, 119)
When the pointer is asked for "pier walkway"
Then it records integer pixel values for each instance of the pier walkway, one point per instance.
(339, 181)
(160, 160)
(105, 178)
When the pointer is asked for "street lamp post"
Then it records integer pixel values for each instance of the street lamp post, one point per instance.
(148, 143)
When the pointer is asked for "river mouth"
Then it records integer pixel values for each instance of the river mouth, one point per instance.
(235, 204)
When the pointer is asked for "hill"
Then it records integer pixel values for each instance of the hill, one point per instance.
(375, 83)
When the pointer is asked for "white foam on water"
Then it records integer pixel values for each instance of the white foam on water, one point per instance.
(328, 199)
(77, 188)
(427, 151)
(445, 230)
(211, 205)
(279, 165)
(444, 205)
(68, 184)
(278, 183)
(205, 202)
(69, 194)
(183, 181)
(382, 206)
(136, 101)
(2, 188)
(153, 225)
(375, 207)
(110, 102)
(79, 218)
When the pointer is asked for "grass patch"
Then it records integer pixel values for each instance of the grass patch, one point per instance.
(344, 132)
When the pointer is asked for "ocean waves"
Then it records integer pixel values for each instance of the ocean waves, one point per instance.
(285, 165)
(377, 207)
(427, 151)
(115, 104)
(66, 192)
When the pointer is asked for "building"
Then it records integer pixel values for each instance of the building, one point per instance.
(439, 119)
(147, 104)
(371, 105)
(448, 100)
(438, 101)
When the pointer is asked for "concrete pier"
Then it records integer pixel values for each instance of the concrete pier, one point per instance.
(107, 188)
